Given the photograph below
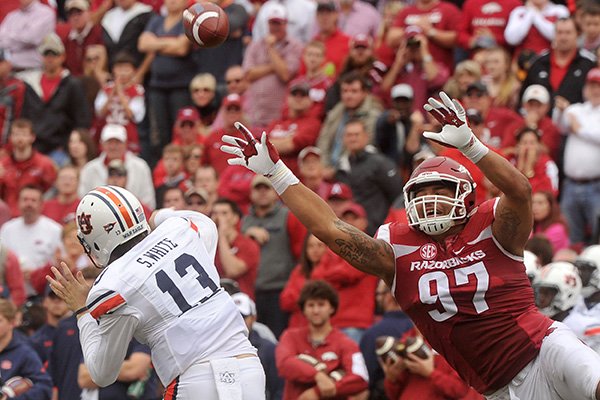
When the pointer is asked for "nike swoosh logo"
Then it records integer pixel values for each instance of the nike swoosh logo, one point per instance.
(459, 250)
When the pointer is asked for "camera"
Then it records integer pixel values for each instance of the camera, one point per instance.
(413, 42)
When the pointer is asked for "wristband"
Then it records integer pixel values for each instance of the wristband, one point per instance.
(81, 311)
(282, 177)
(474, 150)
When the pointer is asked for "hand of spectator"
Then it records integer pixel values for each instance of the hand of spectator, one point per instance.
(419, 366)
(574, 124)
(392, 368)
(393, 116)
(561, 103)
(532, 118)
(417, 119)
(325, 384)
(424, 23)
(401, 55)
(309, 394)
(270, 40)
(72, 289)
(261, 235)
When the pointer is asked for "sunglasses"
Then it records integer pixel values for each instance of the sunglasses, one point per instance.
(50, 53)
(229, 82)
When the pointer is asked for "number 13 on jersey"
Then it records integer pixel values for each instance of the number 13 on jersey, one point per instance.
(435, 286)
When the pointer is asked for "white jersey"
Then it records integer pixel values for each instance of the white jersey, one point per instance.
(169, 284)
(585, 323)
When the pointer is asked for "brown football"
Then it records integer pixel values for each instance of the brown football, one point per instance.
(16, 386)
(413, 345)
(386, 347)
(206, 24)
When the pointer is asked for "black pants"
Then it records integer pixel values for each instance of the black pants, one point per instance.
(268, 310)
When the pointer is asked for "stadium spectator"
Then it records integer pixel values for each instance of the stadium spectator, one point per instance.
(23, 165)
(280, 237)
(55, 310)
(171, 70)
(531, 26)
(338, 197)
(301, 14)
(438, 20)
(197, 200)
(312, 252)
(561, 69)
(192, 155)
(217, 60)
(206, 179)
(270, 63)
(79, 35)
(64, 359)
(80, 148)
(11, 277)
(296, 130)
(172, 197)
(398, 129)
(313, 58)
(121, 101)
(589, 39)
(580, 194)
(535, 105)
(548, 220)
(12, 95)
(236, 83)
(95, 73)
(122, 25)
(18, 359)
(237, 255)
(114, 146)
(335, 42)
(541, 247)
(358, 17)
(484, 20)
(22, 31)
(117, 176)
(325, 349)
(61, 208)
(188, 129)
(373, 178)
(499, 78)
(312, 171)
(466, 73)
(356, 102)
(393, 323)
(33, 237)
(172, 173)
(54, 101)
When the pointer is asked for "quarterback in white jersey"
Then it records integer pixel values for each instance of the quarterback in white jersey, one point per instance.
(160, 287)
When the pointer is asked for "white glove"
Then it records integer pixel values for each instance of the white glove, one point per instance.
(455, 129)
(259, 157)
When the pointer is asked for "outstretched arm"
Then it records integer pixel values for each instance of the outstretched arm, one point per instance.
(513, 217)
(362, 251)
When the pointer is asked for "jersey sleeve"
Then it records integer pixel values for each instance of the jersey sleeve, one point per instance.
(104, 301)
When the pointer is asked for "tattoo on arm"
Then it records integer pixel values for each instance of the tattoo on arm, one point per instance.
(510, 223)
(361, 250)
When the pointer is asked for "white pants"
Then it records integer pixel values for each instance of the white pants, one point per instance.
(565, 369)
(198, 381)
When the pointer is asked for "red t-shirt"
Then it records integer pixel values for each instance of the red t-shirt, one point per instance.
(485, 14)
(443, 16)
(487, 327)
(249, 251)
(336, 50)
(497, 120)
(212, 154)
(550, 136)
(49, 86)
(60, 212)
(234, 184)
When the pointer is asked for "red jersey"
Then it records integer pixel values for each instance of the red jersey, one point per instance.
(303, 131)
(443, 16)
(248, 251)
(212, 154)
(485, 14)
(471, 300)
(60, 212)
(496, 120)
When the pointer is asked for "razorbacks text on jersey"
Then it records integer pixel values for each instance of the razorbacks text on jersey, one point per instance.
(471, 299)
(169, 283)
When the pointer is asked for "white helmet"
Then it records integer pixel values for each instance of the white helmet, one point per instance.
(588, 265)
(532, 265)
(563, 277)
(107, 217)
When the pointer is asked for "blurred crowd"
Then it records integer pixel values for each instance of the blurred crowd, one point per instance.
(113, 92)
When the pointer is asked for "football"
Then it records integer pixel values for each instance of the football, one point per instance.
(16, 386)
(413, 345)
(206, 24)
(387, 347)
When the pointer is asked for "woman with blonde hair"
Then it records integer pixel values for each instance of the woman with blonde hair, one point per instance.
(502, 83)
(466, 73)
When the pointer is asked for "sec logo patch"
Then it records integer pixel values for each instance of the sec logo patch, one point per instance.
(428, 251)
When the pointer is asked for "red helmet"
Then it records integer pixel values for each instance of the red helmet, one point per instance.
(445, 171)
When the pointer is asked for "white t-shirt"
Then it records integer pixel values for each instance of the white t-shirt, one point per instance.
(164, 292)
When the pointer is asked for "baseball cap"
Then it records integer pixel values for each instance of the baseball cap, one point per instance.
(308, 150)
(477, 86)
(402, 90)
(82, 5)
(277, 12)
(361, 40)
(593, 75)
(188, 114)
(196, 192)
(339, 191)
(300, 86)
(113, 131)
(244, 303)
(117, 168)
(327, 5)
(51, 43)
(260, 180)
(536, 92)
(232, 99)
(355, 209)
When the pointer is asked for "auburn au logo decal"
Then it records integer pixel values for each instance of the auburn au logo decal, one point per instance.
(85, 225)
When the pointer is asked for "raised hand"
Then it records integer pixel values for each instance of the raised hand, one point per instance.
(455, 129)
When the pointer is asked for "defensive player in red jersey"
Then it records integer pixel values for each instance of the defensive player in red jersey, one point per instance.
(456, 269)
